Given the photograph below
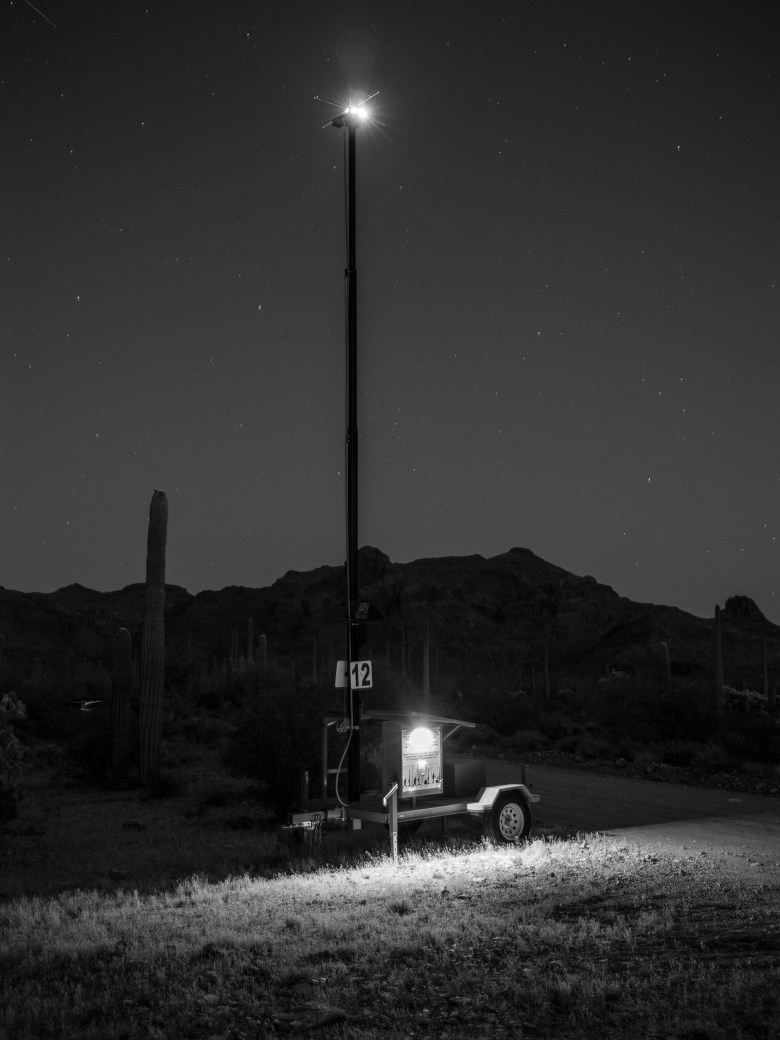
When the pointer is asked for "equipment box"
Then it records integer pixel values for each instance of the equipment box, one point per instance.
(462, 779)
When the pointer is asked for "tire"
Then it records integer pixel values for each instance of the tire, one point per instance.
(509, 821)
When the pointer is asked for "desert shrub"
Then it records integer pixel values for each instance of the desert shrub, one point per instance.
(201, 730)
(218, 795)
(49, 714)
(595, 748)
(622, 749)
(178, 676)
(167, 785)
(504, 711)
(756, 769)
(54, 713)
(752, 736)
(274, 741)
(645, 759)
(687, 715)
(484, 738)
(641, 711)
(555, 727)
(43, 717)
(90, 750)
(678, 752)
(209, 699)
(711, 758)
(568, 745)
(526, 740)
(12, 712)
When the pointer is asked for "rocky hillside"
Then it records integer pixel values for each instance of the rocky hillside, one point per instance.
(489, 620)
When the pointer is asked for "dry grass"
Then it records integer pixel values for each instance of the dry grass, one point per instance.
(189, 917)
(574, 938)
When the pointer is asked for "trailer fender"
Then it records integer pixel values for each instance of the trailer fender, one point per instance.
(487, 796)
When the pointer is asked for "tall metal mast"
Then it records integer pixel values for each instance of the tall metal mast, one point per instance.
(350, 119)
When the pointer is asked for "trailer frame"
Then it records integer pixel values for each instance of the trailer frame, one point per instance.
(505, 808)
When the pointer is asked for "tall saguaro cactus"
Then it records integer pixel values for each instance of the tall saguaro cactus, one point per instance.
(664, 666)
(153, 645)
(121, 685)
(720, 693)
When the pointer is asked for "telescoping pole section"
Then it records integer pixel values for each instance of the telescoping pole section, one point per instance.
(353, 586)
(349, 120)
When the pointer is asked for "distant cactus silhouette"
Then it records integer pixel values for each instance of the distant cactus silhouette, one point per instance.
(121, 684)
(720, 693)
(153, 644)
(664, 664)
(11, 754)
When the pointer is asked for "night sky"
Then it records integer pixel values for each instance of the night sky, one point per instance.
(568, 289)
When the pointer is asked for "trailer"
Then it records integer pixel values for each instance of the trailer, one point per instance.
(417, 783)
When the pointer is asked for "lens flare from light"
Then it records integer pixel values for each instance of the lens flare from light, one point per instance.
(420, 738)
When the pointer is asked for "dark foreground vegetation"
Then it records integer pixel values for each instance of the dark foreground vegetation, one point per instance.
(264, 728)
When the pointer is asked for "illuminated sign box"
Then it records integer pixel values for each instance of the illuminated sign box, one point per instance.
(421, 761)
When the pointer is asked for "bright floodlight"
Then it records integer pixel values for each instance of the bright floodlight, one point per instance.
(420, 739)
(352, 115)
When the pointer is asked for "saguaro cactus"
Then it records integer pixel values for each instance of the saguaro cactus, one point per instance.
(720, 693)
(11, 754)
(546, 648)
(153, 645)
(664, 665)
(121, 685)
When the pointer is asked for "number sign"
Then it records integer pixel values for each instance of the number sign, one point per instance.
(360, 675)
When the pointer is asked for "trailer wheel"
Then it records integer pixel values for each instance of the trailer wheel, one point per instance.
(509, 821)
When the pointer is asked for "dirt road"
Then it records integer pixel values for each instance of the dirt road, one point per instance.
(690, 819)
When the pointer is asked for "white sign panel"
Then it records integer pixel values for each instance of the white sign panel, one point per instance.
(360, 673)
